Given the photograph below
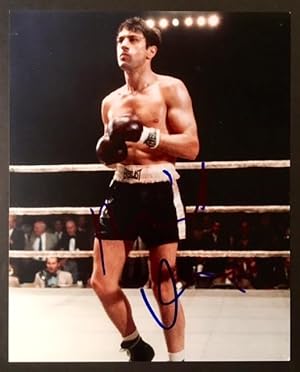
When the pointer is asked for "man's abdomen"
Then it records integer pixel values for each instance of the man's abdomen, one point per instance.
(142, 154)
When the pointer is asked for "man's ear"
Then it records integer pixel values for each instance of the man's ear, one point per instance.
(151, 51)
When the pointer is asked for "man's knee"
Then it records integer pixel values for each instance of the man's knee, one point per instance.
(164, 281)
(102, 286)
(164, 274)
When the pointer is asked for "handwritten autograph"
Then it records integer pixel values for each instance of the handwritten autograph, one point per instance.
(162, 302)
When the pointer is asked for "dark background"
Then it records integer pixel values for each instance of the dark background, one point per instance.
(63, 63)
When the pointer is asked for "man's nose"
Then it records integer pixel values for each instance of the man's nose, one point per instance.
(125, 44)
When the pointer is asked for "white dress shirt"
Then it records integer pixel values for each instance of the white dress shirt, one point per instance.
(72, 244)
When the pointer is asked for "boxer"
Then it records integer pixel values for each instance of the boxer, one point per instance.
(148, 123)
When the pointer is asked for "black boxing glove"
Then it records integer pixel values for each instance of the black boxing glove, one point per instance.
(110, 152)
(129, 128)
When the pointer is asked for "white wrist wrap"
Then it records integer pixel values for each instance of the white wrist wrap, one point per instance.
(150, 136)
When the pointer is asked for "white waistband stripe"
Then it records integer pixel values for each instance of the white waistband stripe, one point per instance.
(145, 173)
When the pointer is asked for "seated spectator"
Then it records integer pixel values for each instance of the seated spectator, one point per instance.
(72, 239)
(215, 239)
(82, 224)
(52, 276)
(198, 230)
(16, 235)
(27, 230)
(58, 229)
(40, 240)
(16, 243)
(243, 239)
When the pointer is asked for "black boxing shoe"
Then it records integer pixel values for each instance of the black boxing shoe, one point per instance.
(138, 350)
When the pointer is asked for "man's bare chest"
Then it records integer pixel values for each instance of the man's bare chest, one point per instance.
(149, 107)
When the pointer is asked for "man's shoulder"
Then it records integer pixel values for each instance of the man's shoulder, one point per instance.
(64, 273)
(50, 235)
(167, 81)
(18, 231)
(112, 95)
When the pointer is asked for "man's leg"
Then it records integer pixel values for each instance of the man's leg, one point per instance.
(175, 335)
(107, 286)
(113, 298)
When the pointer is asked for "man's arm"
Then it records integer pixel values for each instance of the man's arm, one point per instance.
(107, 150)
(65, 278)
(183, 140)
(104, 112)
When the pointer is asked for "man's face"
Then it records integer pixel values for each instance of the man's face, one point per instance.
(71, 228)
(58, 226)
(131, 49)
(216, 227)
(52, 265)
(81, 221)
(39, 228)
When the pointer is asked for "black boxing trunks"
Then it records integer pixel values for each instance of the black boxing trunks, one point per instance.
(144, 201)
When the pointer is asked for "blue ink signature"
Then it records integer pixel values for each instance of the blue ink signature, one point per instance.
(169, 175)
(176, 295)
(174, 300)
(207, 274)
(98, 235)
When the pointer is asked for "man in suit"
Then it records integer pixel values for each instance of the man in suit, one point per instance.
(58, 229)
(81, 268)
(16, 243)
(52, 276)
(215, 239)
(40, 240)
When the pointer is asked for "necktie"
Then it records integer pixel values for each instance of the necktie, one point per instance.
(40, 244)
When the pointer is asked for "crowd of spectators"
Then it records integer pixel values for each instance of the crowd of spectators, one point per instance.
(205, 232)
(242, 232)
(68, 234)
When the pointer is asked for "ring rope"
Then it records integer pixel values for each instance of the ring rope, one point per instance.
(43, 211)
(145, 253)
(56, 168)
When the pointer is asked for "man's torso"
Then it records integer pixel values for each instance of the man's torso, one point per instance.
(150, 106)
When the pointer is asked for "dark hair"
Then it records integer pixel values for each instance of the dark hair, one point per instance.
(40, 221)
(137, 24)
(57, 258)
(71, 220)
